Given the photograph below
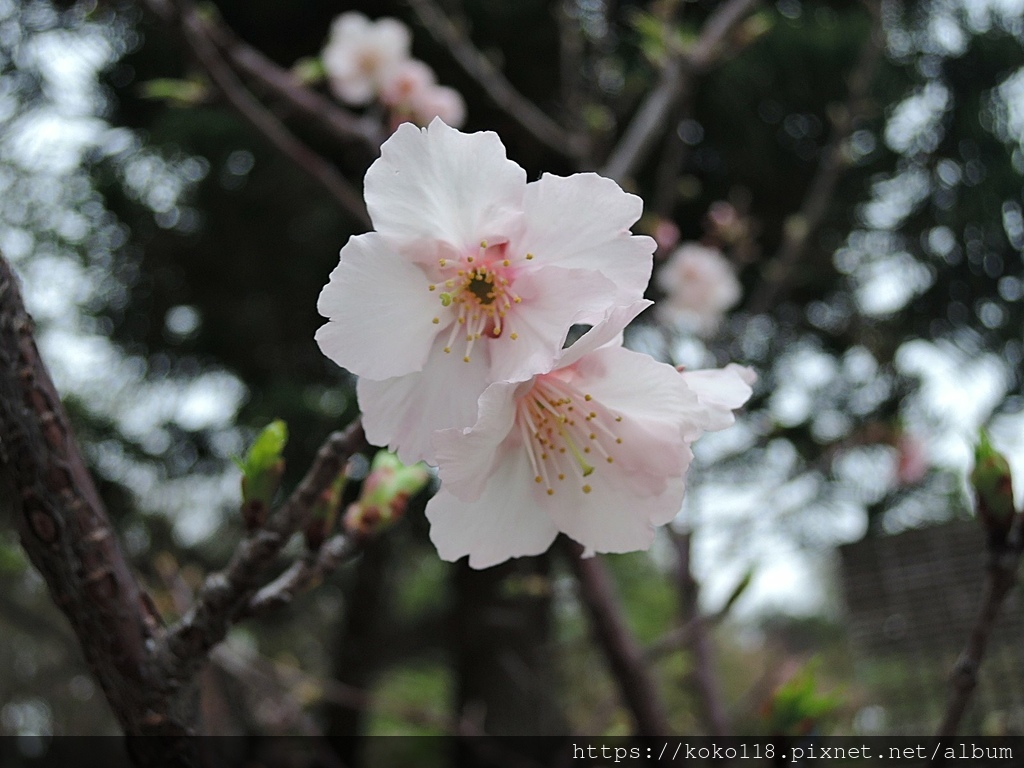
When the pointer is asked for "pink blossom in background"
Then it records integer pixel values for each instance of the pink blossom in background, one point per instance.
(405, 81)
(360, 52)
(700, 286)
(912, 459)
(438, 101)
(471, 276)
(598, 448)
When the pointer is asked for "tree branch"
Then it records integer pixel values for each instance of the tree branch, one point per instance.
(67, 535)
(625, 657)
(303, 574)
(225, 596)
(676, 79)
(196, 35)
(702, 675)
(497, 87)
(341, 124)
(1004, 560)
(800, 226)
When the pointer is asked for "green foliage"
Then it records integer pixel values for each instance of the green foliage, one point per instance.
(796, 707)
(179, 93)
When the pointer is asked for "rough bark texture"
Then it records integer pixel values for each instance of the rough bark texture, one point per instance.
(68, 537)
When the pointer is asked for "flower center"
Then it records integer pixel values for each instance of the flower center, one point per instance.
(479, 288)
(566, 432)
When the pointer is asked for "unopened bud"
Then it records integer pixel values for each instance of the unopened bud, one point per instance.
(262, 470)
(993, 490)
(385, 495)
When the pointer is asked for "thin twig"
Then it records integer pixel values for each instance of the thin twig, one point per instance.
(702, 675)
(196, 35)
(1001, 578)
(802, 225)
(303, 574)
(625, 657)
(676, 79)
(494, 83)
(225, 596)
(282, 83)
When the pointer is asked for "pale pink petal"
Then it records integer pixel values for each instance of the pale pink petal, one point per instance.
(611, 518)
(720, 391)
(404, 412)
(372, 281)
(606, 332)
(637, 385)
(504, 522)
(437, 184)
(466, 457)
(582, 221)
(553, 300)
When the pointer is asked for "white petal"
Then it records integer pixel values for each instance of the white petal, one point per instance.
(404, 412)
(553, 300)
(380, 311)
(582, 221)
(504, 522)
(466, 457)
(720, 392)
(439, 184)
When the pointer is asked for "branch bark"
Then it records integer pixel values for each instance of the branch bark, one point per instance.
(802, 225)
(702, 675)
(497, 87)
(196, 36)
(625, 657)
(1001, 578)
(676, 80)
(225, 596)
(67, 535)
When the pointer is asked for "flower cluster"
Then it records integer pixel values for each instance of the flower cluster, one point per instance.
(455, 312)
(369, 61)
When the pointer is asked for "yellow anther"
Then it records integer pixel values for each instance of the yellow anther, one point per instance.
(538, 479)
(432, 287)
(529, 256)
(436, 320)
(514, 336)
(588, 398)
(551, 491)
(586, 489)
(465, 359)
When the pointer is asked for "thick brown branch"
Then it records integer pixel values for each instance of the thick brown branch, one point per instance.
(803, 224)
(676, 79)
(494, 83)
(625, 657)
(196, 35)
(225, 596)
(67, 534)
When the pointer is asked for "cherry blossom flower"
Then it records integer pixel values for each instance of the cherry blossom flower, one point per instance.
(471, 276)
(598, 448)
(360, 53)
(700, 287)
